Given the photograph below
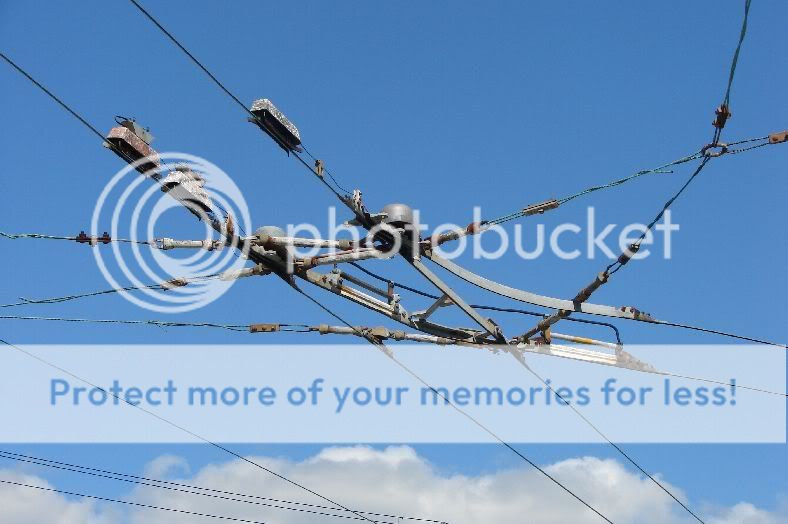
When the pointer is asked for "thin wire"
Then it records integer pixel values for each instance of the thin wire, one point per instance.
(143, 481)
(301, 291)
(110, 145)
(657, 170)
(735, 59)
(66, 298)
(386, 351)
(185, 430)
(718, 382)
(296, 328)
(615, 266)
(51, 95)
(76, 468)
(159, 323)
(744, 149)
(734, 62)
(15, 236)
(571, 319)
(328, 172)
(465, 344)
(191, 56)
(714, 332)
(230, 94)
(614, 183)
(535, 314)
(613, 444)
(129, 503)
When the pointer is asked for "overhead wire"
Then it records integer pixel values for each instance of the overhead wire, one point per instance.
(66, 298)
(676, 196)
(618, 264)
(218, 446)
(613, 444)
(158, 323)
(185, 430)
(39, 236)
(229, 93)
(196, 490)
(174, 40)
(129, 503)
(726, 101)
(386, 351)
(571, 319)
(304, 328)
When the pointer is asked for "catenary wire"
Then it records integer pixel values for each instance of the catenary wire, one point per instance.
(301, 291)
(241, 104)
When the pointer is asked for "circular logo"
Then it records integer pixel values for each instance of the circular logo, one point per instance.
(151, 216)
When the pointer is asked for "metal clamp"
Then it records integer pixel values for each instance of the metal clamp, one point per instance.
(722, 115)
(777, 138)
(82, 238)
(263, 328)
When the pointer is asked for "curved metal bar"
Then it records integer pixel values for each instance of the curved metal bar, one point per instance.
(528, 297)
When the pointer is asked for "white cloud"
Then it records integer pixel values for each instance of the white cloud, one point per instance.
(397, 481)
(165, 466)
(22, 505)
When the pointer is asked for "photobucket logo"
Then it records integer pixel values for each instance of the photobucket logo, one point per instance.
(566, 241)
(138, 209)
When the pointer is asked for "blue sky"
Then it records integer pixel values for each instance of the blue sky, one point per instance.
(442, 105)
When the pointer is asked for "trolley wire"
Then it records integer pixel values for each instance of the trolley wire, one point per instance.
(544, 472)
(571, 319)
(416, 376)
(613, 444)
(386, 351)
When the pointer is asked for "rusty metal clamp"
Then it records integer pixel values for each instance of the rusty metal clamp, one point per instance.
(722, 114)
(723, 148)
(82, 238)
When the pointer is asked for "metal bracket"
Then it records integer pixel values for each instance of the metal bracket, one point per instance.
(444, 300)
(485, 323)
